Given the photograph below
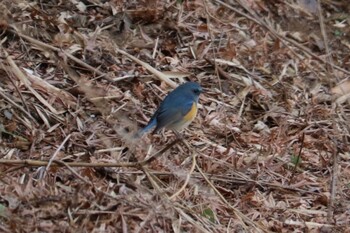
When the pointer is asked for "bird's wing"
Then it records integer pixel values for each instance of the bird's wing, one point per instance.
(173, 112)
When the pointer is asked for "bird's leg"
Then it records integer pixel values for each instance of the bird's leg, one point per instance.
(181, 138)
(178, 135)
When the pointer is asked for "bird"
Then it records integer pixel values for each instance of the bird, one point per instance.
(176, 111)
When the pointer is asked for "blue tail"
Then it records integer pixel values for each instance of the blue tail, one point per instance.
(151, 124)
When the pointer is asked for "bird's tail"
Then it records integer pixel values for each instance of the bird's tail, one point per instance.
(146, 129)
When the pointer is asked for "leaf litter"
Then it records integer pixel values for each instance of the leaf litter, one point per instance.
(268, 151)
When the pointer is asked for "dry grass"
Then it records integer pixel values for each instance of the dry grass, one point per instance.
(268, 151)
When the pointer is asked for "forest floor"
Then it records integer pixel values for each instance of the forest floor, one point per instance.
(268, 151)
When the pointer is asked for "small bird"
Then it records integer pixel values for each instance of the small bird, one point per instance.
(177, 110)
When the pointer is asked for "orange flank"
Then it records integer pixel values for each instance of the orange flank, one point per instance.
(191, 114)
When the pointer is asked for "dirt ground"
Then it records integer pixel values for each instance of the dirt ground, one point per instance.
(269, 148)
